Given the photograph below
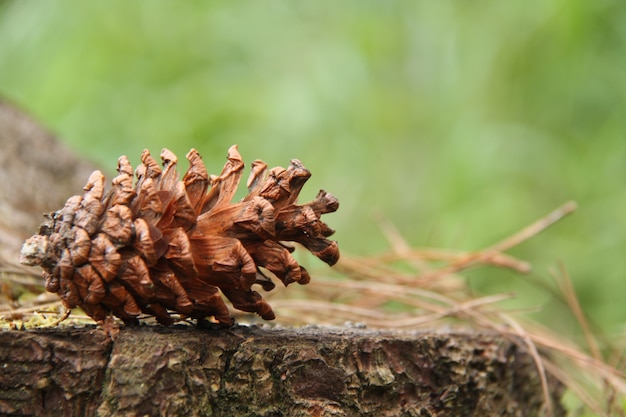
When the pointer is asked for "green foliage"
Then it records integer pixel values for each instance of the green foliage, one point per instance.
(460, 122)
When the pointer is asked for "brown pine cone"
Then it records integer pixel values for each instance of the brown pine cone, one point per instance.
(167, 245)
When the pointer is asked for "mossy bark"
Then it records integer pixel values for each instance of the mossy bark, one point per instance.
(251, 371)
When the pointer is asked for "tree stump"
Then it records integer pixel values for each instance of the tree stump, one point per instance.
(37, 174)
(263, 371)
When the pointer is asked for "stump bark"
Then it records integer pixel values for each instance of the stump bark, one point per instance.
(37, 174)
(253, 371)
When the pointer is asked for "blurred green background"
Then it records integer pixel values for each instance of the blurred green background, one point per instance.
(460, 122)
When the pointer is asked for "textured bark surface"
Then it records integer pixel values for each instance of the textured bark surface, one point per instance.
(251, 371)
(37, 173)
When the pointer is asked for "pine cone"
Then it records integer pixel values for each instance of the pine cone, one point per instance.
(169, 246)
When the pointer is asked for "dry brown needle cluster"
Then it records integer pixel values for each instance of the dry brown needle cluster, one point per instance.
(167, 245)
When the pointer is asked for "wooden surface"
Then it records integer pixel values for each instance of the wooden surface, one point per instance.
(252, 371)
(37, 174)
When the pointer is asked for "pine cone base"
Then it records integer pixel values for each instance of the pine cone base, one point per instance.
(165, 246)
